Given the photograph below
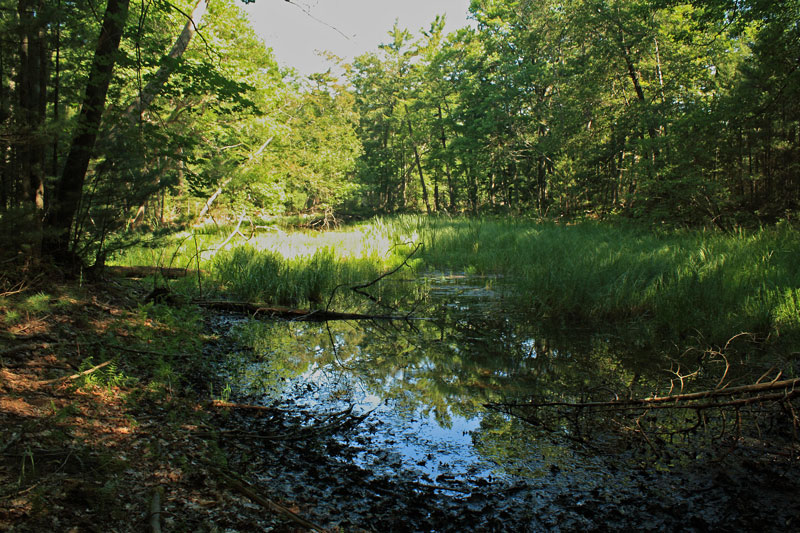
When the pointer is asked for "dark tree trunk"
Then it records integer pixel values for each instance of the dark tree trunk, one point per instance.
(450, 187)
(56, 92)
(70, 186)
(32, 94)
(419, 166)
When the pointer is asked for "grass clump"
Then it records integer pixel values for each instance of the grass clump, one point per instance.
(247, 273)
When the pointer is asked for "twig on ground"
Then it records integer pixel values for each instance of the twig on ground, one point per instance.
(75, 376)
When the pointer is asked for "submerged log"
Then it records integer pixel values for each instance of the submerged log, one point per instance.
(288, 313)
(248, 490)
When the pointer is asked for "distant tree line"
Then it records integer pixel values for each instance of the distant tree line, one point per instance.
(687, 112)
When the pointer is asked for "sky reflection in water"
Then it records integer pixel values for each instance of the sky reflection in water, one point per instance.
(425, 382)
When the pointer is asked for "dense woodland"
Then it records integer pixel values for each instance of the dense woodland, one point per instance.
(141, 113)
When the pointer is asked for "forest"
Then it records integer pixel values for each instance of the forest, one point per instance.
(539, 273)
(664, 112)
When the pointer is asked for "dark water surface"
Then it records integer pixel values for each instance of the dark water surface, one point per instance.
(411, 425)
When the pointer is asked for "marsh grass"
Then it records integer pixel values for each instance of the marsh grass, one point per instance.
(701, 285)
(296, 268)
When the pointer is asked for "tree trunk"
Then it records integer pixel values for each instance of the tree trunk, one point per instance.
(633, 73)
(448, 172)
(419, 165)
(56, 93)
(70, 187)
(32, 103)
(227, 180)
(5, 151)
(134, 111)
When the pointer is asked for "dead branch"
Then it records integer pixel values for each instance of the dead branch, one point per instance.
(288, 313)
(235, 232)
(680, 398)
(75, 376)
(248, 490)
(16, 289)
(357, 288)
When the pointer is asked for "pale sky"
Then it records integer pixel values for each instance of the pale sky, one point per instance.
(295, 36)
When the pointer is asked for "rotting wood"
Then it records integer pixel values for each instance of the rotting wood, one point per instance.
(145, 271)
(248, 490)
(288, 313)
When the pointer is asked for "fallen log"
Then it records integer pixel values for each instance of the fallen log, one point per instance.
(145, 271)
(14, 350)
(288, 313)
(155, 511)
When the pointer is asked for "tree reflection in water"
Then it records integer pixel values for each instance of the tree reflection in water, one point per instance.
(450, 394)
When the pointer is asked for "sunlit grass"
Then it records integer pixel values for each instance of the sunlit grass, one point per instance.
(285, 268)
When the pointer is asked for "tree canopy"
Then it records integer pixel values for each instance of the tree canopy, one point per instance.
(683, 112)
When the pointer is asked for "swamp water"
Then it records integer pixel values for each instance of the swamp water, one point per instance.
(407, 425)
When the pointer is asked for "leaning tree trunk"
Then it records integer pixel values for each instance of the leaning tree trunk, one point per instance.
(69, 188)
(133, 113)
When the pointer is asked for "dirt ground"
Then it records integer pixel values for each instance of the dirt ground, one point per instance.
(124, 447)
